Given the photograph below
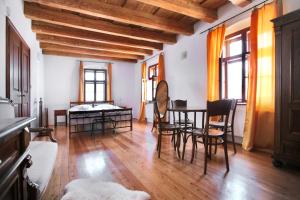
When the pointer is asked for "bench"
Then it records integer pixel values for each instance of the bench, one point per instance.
(43, 155)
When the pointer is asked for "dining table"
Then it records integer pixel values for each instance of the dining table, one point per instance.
(185, 110)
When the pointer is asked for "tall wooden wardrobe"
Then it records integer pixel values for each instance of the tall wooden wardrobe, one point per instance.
(287, 118)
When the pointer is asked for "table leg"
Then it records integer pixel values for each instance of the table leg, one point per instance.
(66, 120)
(184, 135)
(178, 143)
(55, 120)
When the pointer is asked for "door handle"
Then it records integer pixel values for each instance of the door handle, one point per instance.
(21, 95)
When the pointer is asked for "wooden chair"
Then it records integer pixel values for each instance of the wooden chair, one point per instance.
(219, 108)
(160, 110)
(180, 121)
(230, 126)
(43, 130)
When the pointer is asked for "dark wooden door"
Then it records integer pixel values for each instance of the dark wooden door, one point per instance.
(18, 71)
(290, 90)
(25, 81)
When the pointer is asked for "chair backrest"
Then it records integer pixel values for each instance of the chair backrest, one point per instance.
(178, 103)
(219, 108)
(7, 109)
(161, 100)
(233, 110)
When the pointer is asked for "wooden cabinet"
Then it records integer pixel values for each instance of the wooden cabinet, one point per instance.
(287, 118)
(14, 158)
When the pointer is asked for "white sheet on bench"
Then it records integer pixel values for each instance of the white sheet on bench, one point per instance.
(43, 158)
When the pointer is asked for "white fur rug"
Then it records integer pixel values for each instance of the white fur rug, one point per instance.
(91, 189)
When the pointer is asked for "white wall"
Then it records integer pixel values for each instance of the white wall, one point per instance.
(187, 77)
(14, 10)
(290, 5)
(62, 78)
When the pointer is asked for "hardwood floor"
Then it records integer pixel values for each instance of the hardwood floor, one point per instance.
(130, 158)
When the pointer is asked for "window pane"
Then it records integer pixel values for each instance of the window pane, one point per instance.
(89, 92)
(234, 70)
(100, 76)
(100, 92)
(149, 90)
(89, 75)
(235, 47)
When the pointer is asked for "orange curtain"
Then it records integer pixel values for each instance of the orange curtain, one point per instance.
(259, 124)
(81, 83)
(161, 68)
(142, 114)
(109, 80)
(215, 41)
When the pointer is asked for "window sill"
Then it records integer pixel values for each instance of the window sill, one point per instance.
(241, 103)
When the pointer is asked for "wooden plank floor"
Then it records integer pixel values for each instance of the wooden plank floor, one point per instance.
(130, 158)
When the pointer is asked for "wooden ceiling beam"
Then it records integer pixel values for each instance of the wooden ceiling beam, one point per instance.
(48, 46)
(240, 3)
(50, 29)
(188, 8)
(78, 55)
(92, 45)
(120, 14)
(59, 17)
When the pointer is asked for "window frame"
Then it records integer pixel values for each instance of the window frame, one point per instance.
(236, 58)
(95, 82)
(153, 79)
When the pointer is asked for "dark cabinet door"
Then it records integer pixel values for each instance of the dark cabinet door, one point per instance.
(290, 90)
(18, 71)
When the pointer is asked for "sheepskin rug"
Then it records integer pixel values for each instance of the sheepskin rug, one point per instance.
(91, 189)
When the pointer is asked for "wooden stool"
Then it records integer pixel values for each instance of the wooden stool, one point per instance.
(60, 113)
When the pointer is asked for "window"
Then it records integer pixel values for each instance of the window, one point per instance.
(95, 85)
(234, 66)
(151, 82)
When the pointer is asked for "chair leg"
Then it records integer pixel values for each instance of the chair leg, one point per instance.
(216, 145)
(178, 143)
(174, 139)
(210, 145)
(233, 140)
(226, 153)
(205, 153)
(159, 145)
(194, 142)
(183, 149)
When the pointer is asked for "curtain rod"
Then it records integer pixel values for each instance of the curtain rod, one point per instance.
(91, 61)
(263, 2)
(152, 57)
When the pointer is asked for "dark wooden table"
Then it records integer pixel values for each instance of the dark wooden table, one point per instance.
(185, 110)
(60, 113)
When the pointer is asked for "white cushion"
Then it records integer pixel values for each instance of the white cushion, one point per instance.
(7, 111)
(92, 189)
(43, 160)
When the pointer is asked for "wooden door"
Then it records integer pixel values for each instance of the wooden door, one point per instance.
(17, 71)
(290, 91)
(25, 81)
(13, 83)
